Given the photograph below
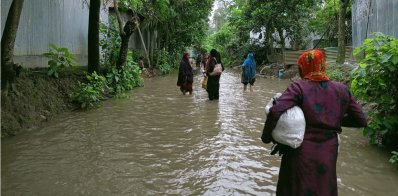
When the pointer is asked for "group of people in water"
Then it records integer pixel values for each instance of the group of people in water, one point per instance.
(327, 106)
(209, 62)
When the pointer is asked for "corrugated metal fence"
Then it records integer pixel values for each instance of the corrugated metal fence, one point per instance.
(369, 16)
(290, 57)
(62, 22)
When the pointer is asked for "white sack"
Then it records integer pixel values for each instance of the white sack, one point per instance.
(290, 127)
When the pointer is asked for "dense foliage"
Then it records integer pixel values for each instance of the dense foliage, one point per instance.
(180, 24)
(375, 81)
(324, 23)
(263, 27)
(335, 74)
(165, 61)
(186, 25)
(109, 42)
(116, 82)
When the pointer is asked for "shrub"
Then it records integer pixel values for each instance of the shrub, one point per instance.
(375, 81)
(89, 94)
(60, 58)
(165, 62)
(334, 73)
(394, 159)
(126, 78)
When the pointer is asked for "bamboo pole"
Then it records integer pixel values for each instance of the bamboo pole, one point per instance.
(143, 42)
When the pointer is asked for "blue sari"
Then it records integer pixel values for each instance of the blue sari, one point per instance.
(249, 68)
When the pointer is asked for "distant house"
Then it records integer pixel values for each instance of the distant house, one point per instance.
(369, 16)
(258, 38)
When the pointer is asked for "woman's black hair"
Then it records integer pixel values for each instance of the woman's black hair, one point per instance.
(213, 52)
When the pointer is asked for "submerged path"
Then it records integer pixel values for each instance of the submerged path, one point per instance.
(159, 142)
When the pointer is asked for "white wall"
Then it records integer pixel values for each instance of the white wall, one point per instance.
(62, 22)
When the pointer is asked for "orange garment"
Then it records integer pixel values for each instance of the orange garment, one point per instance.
(312, 66)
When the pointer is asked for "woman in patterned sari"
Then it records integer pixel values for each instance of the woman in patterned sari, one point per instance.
(327, 106)
(185, 75)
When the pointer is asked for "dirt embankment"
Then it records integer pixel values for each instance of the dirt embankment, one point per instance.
(37, 98)
(34, 99)
(288, 72)
(291, 71)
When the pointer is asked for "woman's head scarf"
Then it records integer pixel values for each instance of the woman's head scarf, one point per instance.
(185, 56)
(250, 60)
(312, 66)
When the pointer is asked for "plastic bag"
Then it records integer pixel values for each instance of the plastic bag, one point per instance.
(290, 127)
(217, 70)
(204, 82)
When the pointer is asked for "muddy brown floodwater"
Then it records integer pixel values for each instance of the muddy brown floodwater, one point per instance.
(159, 142)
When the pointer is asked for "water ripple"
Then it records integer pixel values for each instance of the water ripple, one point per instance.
(160, 142)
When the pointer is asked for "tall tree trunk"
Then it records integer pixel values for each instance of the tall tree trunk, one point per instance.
(158, 38)
(151, 44)
(8, 68)
(341, 37)
(282, 37)
(268, 40)
(125, 33)
(282, 43)
(124, 47)
(93, 36)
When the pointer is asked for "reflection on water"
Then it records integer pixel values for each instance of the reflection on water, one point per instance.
(159, 142)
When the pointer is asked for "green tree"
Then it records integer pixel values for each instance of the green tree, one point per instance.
(273, 20)
(220, 15)
(286, 18)
(126, 28)
(342, 31)
(324, 23)
(223, 41)
(140, 14)
(186, 25)
(179, 24)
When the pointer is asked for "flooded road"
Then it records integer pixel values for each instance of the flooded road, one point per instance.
(160, 142)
